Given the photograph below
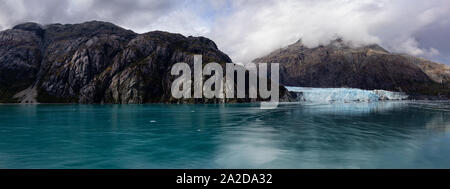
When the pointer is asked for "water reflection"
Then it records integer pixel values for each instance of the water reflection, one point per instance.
(354, 135)
(348, 108)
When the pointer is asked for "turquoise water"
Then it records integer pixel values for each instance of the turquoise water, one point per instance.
(356, 135)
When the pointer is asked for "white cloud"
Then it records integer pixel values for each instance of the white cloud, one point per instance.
(184, 22)
(411, 46)
(255, 29)
(246, 29)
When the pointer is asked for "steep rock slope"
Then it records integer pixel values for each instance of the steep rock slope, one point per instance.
(20, 59)
(96, 62)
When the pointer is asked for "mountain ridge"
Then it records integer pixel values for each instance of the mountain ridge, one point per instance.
(96, 62)
(338, 64)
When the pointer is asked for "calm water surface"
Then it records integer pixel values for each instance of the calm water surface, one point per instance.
(357, 135)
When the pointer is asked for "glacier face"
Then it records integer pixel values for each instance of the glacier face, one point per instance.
(345, 95)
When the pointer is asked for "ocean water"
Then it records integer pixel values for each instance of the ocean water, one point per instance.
(396, 134)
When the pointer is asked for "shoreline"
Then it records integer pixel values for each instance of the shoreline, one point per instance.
(281, 103)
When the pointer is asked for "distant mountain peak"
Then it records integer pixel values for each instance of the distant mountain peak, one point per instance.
(337, 44)
(339, 63)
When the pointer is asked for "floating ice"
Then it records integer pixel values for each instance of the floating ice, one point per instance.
(329, 95)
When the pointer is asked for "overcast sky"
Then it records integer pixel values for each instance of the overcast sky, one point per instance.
(249, 29)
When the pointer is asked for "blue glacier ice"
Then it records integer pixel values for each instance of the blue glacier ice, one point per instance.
(345, 95)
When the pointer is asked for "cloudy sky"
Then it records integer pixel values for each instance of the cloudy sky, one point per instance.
(248, 29)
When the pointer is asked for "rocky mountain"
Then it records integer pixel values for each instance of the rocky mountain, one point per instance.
(95, 62)
(339, 64)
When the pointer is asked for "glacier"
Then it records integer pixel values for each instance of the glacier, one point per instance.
(344, 95)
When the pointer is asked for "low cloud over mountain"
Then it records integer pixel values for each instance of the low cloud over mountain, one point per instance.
(249, 29)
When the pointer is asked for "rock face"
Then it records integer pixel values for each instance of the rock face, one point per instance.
(439, 73)
(95, 62)
(338, 64)
(20, 59)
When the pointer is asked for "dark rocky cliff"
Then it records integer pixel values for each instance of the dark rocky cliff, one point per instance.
(95, 62)
(338, 64)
